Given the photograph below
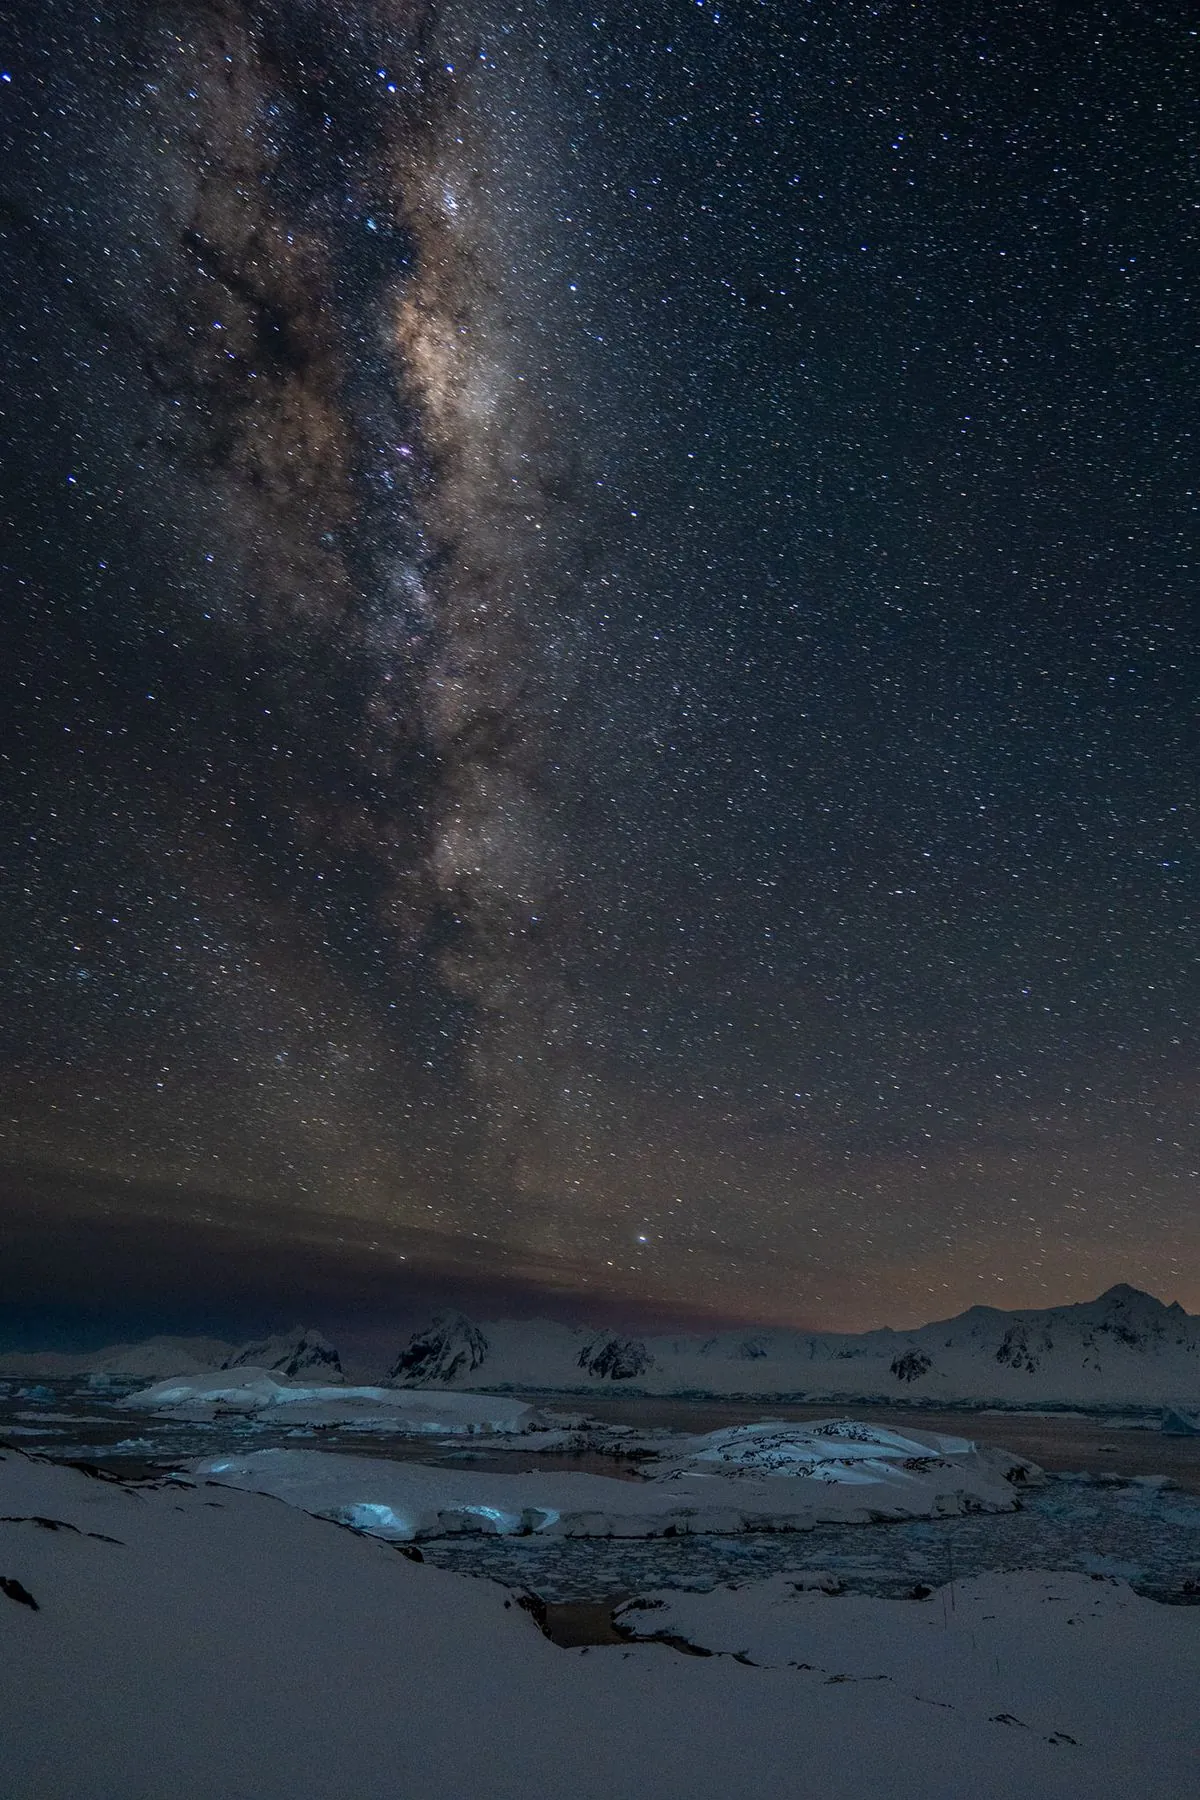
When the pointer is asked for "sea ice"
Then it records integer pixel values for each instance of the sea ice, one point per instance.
(746, 1480)
(407, 1411)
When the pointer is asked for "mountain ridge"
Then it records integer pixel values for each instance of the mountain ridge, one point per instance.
(1125, 1347)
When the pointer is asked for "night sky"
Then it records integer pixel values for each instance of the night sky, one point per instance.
(600, 657)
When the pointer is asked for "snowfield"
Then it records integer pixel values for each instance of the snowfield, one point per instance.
(290, 1354)
(750, 1478)
(1069, 1657)
(210, 1644)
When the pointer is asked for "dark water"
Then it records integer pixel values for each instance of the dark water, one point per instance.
(1129, 1444)
(70, 1419)
(1101, 1514)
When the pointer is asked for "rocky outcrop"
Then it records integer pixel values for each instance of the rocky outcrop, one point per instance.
(448, 1349)
(615, 1358)
(911, 1366)
(291, 1354)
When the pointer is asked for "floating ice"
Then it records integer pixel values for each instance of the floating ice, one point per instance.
(715, 1485)
(401, 1410)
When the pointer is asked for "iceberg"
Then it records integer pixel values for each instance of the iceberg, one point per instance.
(411, 1413)
(711, 1487)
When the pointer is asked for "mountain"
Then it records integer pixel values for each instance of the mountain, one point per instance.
(292, 1353)
(1124, 1348)
(297, 1352)
(449, 1348)
(152, 1360)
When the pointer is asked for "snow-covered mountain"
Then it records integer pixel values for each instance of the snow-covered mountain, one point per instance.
(1125, 1348)
(292, 1353)
(152, 1360)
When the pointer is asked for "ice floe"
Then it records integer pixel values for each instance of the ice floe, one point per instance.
(767, 1478)
(403, 1410)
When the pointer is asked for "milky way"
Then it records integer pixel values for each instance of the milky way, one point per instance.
(602, 684)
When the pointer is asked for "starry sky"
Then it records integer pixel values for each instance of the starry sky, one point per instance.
(600, 657)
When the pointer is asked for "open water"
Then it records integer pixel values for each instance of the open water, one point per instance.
(1122, 1499)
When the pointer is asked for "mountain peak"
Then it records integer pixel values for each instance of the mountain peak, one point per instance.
(1121, 1294)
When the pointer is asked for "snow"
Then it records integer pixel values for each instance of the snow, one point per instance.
(727, 1482)
(1123, 1349)
(296, 1352)
(251, 1390)
(1052, 1654)
(215, 1645)
(147, 1361)
(292, 1353)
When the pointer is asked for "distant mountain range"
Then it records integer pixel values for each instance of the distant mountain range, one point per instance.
(293, 1353)
(1125, 1348)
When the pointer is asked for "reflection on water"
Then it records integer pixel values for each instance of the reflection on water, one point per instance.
(1097, 1523)
(69, 1419)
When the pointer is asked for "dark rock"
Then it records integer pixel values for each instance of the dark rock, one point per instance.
(450, 1346)
(16, 1591)
(911, 1366)
(615, 1358)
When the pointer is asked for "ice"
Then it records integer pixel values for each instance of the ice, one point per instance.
(747, 1479)
(256, 1391)
(838, 1450)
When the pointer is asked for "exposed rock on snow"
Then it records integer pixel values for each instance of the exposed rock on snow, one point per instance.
(911, 1366)
(752, 1478)
(450, 1348)
(367, 1408)
(1124, 1349)
(297, 1352)
(615, 1358)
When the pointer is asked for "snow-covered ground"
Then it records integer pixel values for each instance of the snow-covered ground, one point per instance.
(210, 1644)
(1075, 1659)
(290, 1354)
(752, 1478)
